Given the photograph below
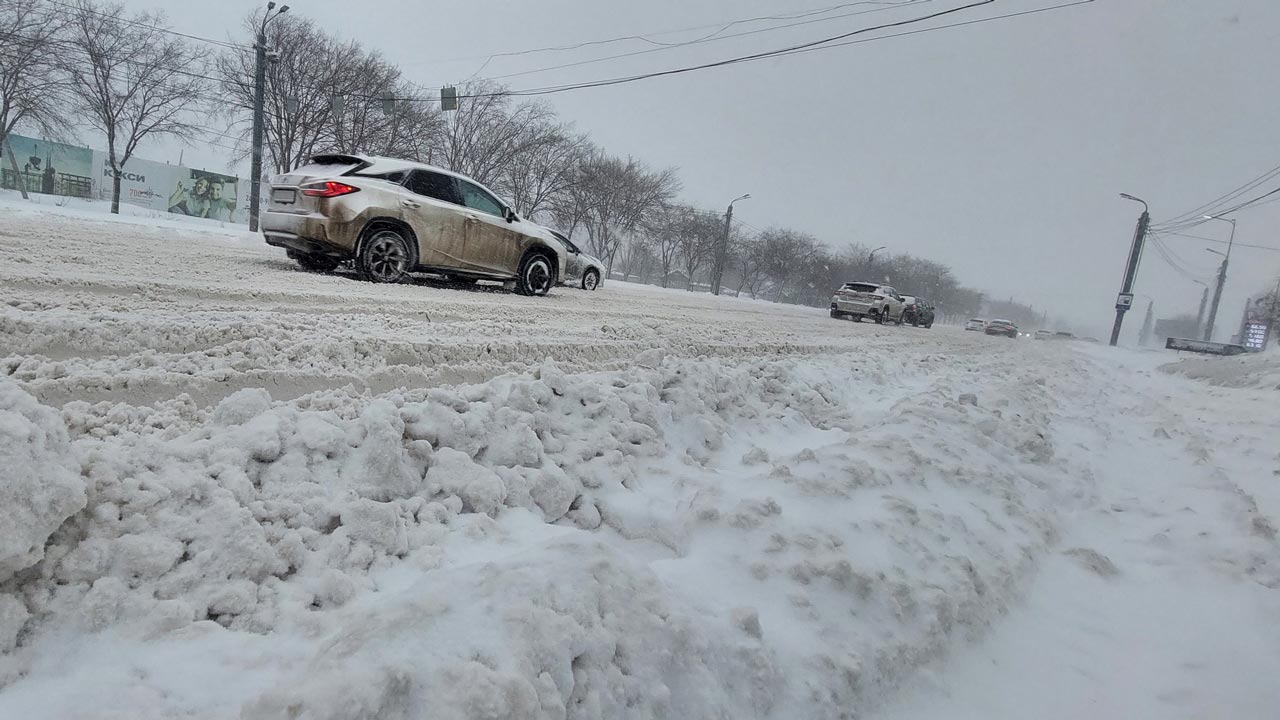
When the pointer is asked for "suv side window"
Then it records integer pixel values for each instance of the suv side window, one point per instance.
(433, 185)
(477, 199)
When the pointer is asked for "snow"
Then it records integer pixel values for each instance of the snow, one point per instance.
(39, 489)
(1254, 370)
(243, 490)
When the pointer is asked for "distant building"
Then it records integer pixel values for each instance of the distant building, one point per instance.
(1179, 327)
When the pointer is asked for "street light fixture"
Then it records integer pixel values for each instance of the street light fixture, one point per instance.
(717, 270)
(259, 83)
(1125, 298)
(872, 256)
(1222, 275)
(1127, 196)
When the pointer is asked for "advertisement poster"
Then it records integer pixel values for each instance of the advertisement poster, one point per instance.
(48, 167)
(172, 188)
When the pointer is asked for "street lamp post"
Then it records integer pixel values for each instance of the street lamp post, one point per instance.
(871, 259)
(717, 271)
(1204, 302)
(1125, 298)
(1222, 277)
(259, 83)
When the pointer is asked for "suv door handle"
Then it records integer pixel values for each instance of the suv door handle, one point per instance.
(472, 218)
(410, 204)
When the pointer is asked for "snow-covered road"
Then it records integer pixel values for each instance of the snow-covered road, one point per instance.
(241, 490)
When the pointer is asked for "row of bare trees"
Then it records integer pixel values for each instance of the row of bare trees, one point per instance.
(125, 77)
(92, 65)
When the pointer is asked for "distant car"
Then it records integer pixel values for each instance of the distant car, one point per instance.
(917, 311)
(977, 324)
(857, 300)
(1063, 335)
(1044, 335)
(580, 268)
(1002, 327)
(390, 217)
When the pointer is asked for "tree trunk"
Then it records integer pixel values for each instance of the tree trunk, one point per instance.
(18, 179)
(115, 192)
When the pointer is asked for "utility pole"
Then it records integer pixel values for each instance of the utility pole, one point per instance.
(1222, 278)
(1273, 318)
(259, 83)
(1125, 298)
(1204, 300)
(722, 250)
(1144, 338)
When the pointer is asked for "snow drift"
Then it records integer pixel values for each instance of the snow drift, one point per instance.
(697, 538)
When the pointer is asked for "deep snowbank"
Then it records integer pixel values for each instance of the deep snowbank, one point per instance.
(1259, 370)
(692, 538)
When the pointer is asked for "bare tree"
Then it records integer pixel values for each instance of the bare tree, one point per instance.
(622, 192)
(697, 233)
(33, 83)
(663, 226)
(355, 101)
(488, 131)
(134, 81)
(544, 169)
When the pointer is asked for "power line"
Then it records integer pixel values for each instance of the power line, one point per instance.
(710, 38)
(1207, 207)
(824, 44)
(1165, 255)
(1219, 213)
(70, 45)
(648, 37)
(754, 56)
(1164, 233)
(211, 41)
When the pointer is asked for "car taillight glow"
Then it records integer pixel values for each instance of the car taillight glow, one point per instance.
(329, 189)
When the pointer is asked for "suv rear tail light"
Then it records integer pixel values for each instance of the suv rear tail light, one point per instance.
(328, 189)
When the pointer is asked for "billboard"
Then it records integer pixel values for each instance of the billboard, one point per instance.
(48, 167)
(172, 188)
(1255, 336)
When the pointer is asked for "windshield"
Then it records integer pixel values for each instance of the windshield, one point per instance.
(569, 360)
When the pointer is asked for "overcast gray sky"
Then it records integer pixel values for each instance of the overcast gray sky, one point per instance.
(997, 148)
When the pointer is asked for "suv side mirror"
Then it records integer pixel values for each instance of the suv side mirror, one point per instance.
(509, 214)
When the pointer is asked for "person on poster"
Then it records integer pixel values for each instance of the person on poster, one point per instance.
(195, 202)
(220, 207)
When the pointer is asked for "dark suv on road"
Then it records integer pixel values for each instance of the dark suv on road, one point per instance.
(917, 311)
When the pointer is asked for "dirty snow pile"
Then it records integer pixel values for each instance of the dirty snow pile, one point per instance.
(691, 538)
(1254, 370)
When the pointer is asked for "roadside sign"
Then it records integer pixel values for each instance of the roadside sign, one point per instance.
(1255, 336)
(1124, 301)
(1201, 346)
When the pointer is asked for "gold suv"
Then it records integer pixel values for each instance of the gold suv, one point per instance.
(389, 218)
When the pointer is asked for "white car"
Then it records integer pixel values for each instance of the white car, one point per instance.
(976, 324)
(857, 300)
(579, 268)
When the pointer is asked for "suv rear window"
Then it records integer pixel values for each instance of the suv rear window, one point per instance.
(395, 176)
(325, 169)
(861, 287)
